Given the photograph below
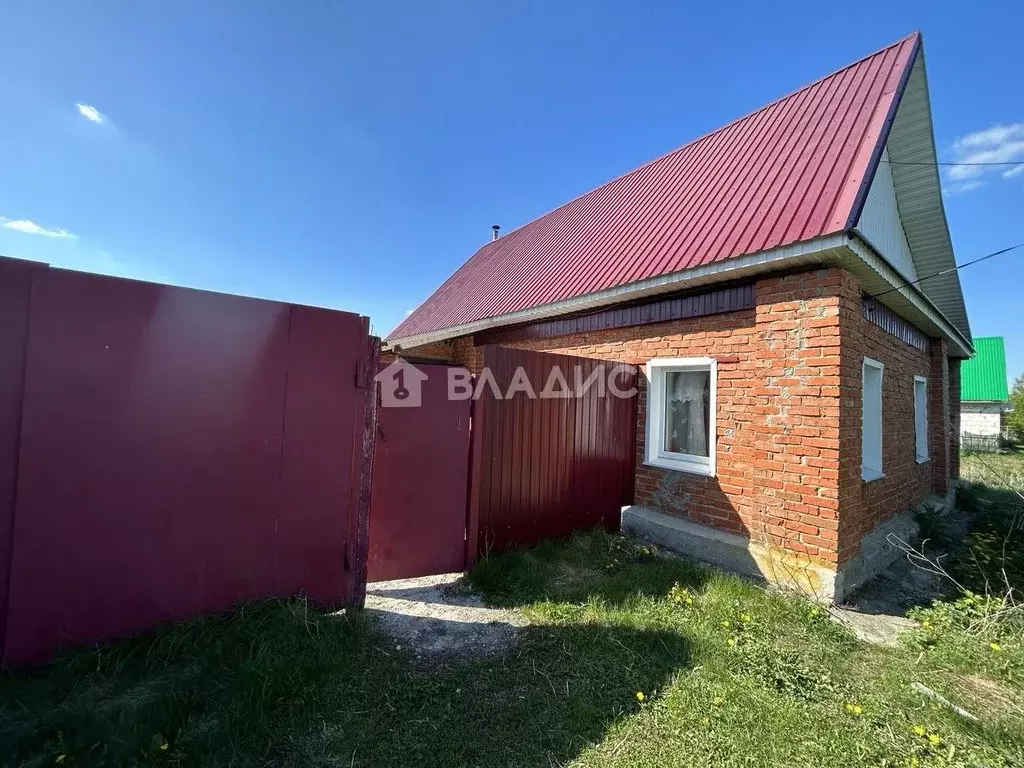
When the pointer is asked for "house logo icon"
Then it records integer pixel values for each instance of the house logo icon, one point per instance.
(400, 385)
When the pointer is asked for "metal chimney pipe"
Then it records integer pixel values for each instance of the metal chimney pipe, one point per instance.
(494, 231)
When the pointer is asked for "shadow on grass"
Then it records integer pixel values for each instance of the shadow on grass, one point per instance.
(614, 569)
(979, 546)
(276, 684)
(992, 556)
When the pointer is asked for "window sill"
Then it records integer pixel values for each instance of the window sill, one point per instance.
(923, 459)
(870, 475)
(680, 466)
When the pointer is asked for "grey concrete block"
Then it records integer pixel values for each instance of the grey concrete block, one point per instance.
(730, 551)
(878, 551)
(738, 554)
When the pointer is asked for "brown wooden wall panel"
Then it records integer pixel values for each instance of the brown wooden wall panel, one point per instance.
(877, 313)
(714, 302)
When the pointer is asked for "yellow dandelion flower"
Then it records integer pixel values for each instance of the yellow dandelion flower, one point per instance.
(732, 641)
(995, 646)
(934, 739)
(640, 696)
(919, 730)
(719, 701)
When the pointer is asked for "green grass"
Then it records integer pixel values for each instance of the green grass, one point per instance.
(995, 470)
(730, 674)
(993, 559)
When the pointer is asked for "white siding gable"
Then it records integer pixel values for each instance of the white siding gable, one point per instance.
(880, 222)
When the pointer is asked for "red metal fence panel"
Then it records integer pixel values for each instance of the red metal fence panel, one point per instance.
(180, 451)
(15, 287)
(420, 483)
(546, 467)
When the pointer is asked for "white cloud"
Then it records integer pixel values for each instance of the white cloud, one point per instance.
(29, 227)
(1017, 169)
(990, 137)
(996, 144)
(959, 187)
(90, 113)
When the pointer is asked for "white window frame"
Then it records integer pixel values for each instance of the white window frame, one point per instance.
(872, 473)
(921, 422)
(655, 454)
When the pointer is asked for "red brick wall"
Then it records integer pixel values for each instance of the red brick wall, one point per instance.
(465, 353)
(906, 483)
(788, 414)
(442, 351)
(460, 350)
(954, 419)
(940, 416)
(777, 411)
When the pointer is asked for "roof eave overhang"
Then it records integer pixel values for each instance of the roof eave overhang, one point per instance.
(818, 251)
(880, 279)
(908, 133)
(845, 250)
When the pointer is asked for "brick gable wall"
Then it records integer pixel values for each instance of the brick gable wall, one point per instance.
(906, 483)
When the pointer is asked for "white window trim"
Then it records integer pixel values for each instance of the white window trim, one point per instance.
(925, 456)
(654, 454)
(872, 473)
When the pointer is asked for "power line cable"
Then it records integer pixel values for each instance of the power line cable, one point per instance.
(951, 269)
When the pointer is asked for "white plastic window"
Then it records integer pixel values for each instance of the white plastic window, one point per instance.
(921, 417)
(871, 431)
(681, 414)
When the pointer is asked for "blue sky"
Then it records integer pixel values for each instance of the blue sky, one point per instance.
(352, 155)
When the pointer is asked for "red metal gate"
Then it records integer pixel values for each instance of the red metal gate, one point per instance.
(166, 452)
(545, 467)
(420, 476)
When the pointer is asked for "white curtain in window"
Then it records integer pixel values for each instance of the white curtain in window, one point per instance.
(686, 418)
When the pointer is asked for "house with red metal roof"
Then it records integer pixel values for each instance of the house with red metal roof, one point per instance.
(801, 377)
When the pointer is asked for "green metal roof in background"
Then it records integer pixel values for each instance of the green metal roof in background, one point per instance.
(983, 377)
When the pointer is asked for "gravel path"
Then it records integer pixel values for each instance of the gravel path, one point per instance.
(439, 619)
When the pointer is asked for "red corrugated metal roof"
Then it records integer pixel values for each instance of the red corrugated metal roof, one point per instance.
(790, 171)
